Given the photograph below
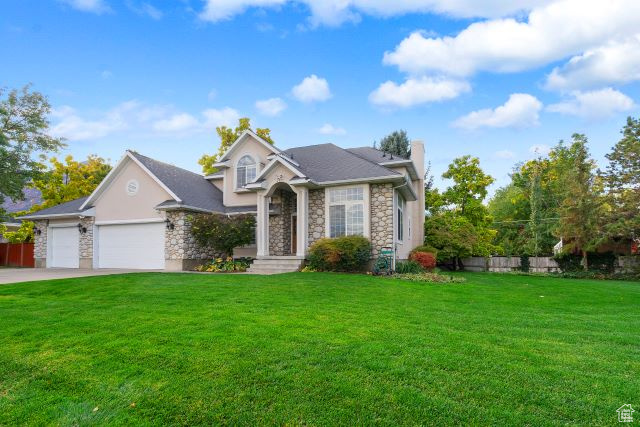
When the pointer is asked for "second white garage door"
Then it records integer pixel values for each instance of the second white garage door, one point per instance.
(138, 246)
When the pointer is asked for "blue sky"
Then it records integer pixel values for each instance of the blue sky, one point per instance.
(492, 79)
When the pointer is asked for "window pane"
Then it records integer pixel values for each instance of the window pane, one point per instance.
(246, 161)
(336, 221)
(241, 177)
(337, 196)
(355, 193)
(251, 173)
(355, 220)
(400, 225)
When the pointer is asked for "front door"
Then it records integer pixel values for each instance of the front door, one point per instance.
(294, 234)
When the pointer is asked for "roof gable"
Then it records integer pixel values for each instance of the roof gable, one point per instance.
(129, 156)
(244, 136)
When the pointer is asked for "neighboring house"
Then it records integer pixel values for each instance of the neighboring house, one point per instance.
(138, 217)
(31, 197)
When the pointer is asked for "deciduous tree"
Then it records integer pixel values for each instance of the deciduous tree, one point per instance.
(24, 133)
(69, 180)
(227, 138)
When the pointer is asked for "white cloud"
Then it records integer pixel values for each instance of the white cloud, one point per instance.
(271, 107)
(223, 117)
(540, 150)
(106, 74)
(176, 123)
(329, 129)
(613, 63)
(135, 117)
(336, 12)
(416, 91)
(71, 125)
(145, 9)
(311, 89)
(550, 33)
(505, 154)
(520, 111)
(93, 6)
(595, 104)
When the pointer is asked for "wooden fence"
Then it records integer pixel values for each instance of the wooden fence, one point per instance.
(541, 264)
(16, 255)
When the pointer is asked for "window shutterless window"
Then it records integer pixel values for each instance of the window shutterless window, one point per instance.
(400, 217)
(346, 212)
(245, 171)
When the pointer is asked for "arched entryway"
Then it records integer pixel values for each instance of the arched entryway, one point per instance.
(282, 220)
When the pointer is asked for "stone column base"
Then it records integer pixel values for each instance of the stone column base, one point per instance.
(86, 262)
(41, 263)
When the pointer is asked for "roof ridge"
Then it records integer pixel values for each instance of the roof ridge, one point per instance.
(135, 153)
(367, 160)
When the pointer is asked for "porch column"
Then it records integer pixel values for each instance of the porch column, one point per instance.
(302, 230)
(262, 225)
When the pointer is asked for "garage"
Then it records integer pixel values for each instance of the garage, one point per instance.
(137, 246)
(63, 243)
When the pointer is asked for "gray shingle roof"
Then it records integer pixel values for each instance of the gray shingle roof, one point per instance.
(328, 162)
(189, 186)
(374, 155)
(72, 207)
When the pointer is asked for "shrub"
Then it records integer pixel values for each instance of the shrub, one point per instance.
(598, 262)
(406, 267)
(426, 259)
(223, 232)
(348, 253)
(525, 264)
(425, 248)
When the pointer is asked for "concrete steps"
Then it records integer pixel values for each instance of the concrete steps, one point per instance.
(275, 265)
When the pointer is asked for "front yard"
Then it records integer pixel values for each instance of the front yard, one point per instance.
(317, 349)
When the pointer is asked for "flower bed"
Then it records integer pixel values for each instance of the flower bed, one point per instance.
(228, 265)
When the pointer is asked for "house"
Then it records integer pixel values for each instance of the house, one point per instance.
(138, 217)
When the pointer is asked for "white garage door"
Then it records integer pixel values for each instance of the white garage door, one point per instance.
(139, 246)
(64, 244)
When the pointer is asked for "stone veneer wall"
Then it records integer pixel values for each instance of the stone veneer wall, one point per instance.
(316, 215)
(381, 217)
(280, 225)
(40, 245)
(86, 243)
(181, 251)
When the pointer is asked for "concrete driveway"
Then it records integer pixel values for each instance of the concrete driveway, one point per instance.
(15, 275)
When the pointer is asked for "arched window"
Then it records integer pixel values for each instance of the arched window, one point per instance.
(245, 171)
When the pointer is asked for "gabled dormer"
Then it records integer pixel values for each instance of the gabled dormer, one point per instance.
(239, 166)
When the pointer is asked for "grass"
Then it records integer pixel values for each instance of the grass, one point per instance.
(317, 349)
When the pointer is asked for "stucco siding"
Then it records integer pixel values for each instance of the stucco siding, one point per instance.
(116, 204)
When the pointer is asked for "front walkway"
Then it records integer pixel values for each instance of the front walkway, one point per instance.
(15, 275)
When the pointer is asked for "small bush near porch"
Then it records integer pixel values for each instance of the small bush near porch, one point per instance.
(317, 349)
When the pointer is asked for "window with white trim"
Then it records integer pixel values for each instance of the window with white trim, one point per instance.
(400, 206)
(346, 211)
(245, 171)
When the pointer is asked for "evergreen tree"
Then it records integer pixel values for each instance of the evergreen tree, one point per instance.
(396, 143)
(622, 181)
(581, 205)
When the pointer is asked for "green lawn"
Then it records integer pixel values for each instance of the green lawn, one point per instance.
(317, 349)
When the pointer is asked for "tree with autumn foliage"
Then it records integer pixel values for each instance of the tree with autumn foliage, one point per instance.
(69, 180)
(227, 137)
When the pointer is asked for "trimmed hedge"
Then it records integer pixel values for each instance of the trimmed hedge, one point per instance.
(348, 253)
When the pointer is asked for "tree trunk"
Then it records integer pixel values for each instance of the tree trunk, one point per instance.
(585, 261)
